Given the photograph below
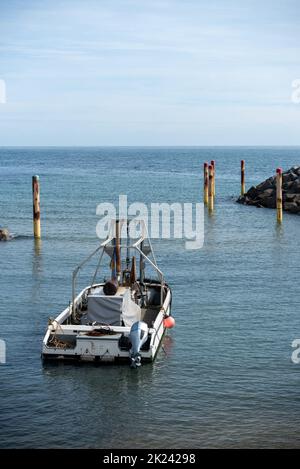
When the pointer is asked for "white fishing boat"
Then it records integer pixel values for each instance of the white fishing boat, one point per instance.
(121, 319)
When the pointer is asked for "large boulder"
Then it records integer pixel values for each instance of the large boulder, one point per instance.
(295, 187)
(289, 176)
(268, 184)
(4, 234)
(292, 207)
(269, 202)
(264, 194)
(267, 193)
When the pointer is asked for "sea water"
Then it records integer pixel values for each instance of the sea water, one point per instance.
(224, 377)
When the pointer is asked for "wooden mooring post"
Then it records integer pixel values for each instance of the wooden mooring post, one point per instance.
(210, 188)
(243, 190)
(205, 188)
(279, 194)
(36, 207)
(213, 164)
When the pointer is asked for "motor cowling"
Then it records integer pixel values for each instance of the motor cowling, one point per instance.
(138, 335)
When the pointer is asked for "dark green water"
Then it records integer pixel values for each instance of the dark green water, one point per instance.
(226, 378)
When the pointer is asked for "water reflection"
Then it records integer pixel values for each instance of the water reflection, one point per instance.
(101, 384)
(37, 276)
(279, 231)
(168, 345)
(37, 247)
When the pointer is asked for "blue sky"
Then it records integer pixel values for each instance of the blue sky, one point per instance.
(141, 72)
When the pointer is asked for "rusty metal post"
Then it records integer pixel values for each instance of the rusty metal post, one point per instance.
(279, 194)
(243, 190)
(36, 206)
(205, 189)
(210, 188)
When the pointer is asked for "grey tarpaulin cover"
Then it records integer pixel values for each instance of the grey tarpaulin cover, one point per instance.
(108, 309)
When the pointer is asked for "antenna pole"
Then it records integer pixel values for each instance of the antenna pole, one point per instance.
(142, 265)
(118, 251)
(128, 249)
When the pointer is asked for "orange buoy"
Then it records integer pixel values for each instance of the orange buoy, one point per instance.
(169, 322)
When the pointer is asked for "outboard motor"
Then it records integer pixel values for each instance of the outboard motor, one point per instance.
(138, 336)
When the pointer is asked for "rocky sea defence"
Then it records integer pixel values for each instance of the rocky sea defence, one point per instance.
(264, 195)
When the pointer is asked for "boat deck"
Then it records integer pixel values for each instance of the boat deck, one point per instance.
(149, 315)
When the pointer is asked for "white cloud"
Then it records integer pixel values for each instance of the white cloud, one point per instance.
(159, 63)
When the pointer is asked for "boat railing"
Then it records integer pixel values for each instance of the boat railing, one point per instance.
(137, 246)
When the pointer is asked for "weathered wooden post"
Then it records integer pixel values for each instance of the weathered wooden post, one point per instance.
(205, 173)
(210, 188)
(279, 194)
(213, 163)
(243, 190)
(36, 206)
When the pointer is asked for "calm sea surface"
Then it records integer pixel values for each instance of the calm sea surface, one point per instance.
(225, 377)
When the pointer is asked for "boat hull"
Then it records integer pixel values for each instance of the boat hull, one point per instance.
(82, 344)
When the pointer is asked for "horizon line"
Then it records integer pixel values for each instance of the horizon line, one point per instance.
(152, 146)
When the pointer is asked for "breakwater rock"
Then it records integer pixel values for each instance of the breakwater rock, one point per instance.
(264, 195)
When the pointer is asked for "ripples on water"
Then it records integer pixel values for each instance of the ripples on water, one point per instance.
(224, 378)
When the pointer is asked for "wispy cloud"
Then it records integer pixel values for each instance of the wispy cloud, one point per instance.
(126, 61)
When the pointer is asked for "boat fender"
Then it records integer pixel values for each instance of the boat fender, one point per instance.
(169, 322)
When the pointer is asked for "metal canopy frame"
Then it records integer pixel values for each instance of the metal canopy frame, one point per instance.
(105, 247)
